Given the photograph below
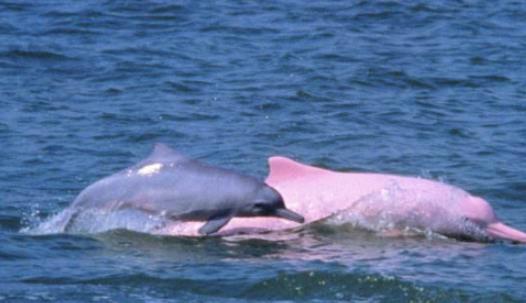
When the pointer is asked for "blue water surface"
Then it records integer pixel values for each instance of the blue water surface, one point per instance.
(427, 88)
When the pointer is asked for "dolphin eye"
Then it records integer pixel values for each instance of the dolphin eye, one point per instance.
(261, 208)
(260, 205)
(475, 221)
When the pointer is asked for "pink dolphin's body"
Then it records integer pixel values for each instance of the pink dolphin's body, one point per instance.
(376, 202)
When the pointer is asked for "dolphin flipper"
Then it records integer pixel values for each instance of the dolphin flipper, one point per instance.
(214, 224)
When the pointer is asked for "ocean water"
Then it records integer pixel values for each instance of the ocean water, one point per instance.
(435, 89)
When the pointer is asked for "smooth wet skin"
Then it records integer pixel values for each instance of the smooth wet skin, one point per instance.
(181, 189)
(383, 202)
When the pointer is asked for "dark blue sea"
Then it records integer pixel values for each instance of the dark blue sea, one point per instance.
(435, 89)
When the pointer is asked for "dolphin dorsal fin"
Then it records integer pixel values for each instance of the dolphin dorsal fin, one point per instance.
(162, 153)
(283, 168)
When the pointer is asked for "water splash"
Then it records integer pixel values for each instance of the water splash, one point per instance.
(94, 221)
(400, 211)
(53, 225)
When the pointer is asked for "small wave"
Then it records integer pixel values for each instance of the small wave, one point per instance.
(311, 286)
(345, 286)
(238, 30)
(9, 222)
(162, 9)
(12, 255)
(289, 285)
(66, 31)
(14, 6)
(180, 87)
(33, 54)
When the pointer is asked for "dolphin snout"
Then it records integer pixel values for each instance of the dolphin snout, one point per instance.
(500, 230)
(289, 215)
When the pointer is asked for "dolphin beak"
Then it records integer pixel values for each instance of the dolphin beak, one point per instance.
(502, 231)
(289, 215)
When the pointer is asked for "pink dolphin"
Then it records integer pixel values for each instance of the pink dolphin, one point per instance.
(383, 203)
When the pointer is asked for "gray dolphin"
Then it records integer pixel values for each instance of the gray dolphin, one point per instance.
(172, 185)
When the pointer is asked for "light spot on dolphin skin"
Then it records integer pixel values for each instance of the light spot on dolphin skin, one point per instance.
(150, 169)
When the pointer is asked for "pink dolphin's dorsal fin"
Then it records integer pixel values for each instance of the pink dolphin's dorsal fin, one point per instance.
(283, 168)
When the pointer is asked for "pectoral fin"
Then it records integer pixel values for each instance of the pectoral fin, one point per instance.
(214, 224)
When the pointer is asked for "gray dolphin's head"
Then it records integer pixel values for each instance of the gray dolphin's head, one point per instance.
(268, 202)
